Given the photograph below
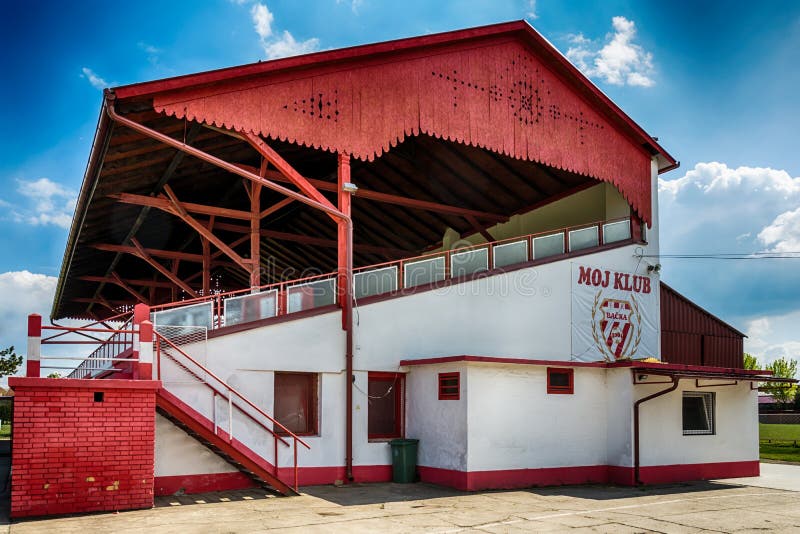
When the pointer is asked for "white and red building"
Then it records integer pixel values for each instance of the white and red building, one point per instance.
(452, 238)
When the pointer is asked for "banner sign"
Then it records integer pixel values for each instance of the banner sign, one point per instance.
(614, 315)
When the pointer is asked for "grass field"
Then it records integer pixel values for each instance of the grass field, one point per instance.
(780, 442)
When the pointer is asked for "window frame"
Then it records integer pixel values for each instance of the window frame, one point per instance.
(569, 389)
(712, 412)
(457, 386)
(313, 402)
(399, 405)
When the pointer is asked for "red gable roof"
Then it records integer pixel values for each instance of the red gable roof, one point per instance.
(501, 87)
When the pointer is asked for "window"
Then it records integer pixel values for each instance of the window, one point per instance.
(698, 413)
(385, 405)
(296, 402)
(560, 381)
(449, 386)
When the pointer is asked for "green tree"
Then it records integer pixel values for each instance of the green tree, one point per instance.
(55, 374)
(782, 368)
(9, 362)
(750, 361)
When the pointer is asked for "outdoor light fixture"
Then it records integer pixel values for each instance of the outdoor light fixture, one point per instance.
(349, 187)
(654, 268)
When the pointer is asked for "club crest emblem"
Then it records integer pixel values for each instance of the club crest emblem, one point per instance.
(616, 327)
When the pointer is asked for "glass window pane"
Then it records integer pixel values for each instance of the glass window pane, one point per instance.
(510, 253)
(583, 238)
(698, 413)
(469, 262)
(251, 307)
(311, 295)
(423, 272)
(193, 315)
(548, 245)
(375, 282)
(616, 231)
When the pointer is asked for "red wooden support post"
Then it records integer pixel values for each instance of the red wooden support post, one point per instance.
(345, 201)
(33, 367)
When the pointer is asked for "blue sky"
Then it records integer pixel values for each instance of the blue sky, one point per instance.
(716, 82)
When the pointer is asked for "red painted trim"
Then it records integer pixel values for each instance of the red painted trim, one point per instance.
(34, 325)
(593, 474)
(170, 485)
(683, 367)
(141, 313)
(81, 383)
(665, 474)
(233, 329)
(569, 389)
(307, 476)
(493, 359)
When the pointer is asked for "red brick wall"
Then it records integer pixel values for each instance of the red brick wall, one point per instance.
(72, 454)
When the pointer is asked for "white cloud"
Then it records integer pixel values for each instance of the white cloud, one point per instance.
(773, 337)
(531, 13)
(96, 81)
(620, 61)
(783, 234)
(262, 20)
(153, 52)
(281, 45)
(714, 208)
(355, 5)
(22, 293)
(46, 203)
(286, 46)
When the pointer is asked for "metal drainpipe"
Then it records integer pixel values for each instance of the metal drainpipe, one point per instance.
(636, 404)
(348, 309)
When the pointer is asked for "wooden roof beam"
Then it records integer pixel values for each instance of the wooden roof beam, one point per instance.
(165, 254)
(121, 283)
(163, 203)
(142, 253)
(389, 199)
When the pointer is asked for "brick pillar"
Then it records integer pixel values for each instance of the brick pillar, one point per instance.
(33, 366)
(82, 445)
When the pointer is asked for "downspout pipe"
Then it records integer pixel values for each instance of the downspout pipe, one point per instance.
(636, 456)
(348, 222)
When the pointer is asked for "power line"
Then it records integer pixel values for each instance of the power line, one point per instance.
(728, 256)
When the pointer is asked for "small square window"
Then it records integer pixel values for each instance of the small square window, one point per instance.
(449, 386)
(99, 396)
(296, 402)
(385, 405)
(560, 381)
(698, 413)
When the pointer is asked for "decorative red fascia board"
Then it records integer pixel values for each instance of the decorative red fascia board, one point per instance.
(497, 360)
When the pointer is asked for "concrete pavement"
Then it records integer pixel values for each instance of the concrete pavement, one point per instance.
(773, 475)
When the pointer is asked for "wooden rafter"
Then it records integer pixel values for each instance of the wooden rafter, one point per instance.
(124, 285)
(179, 211)
(156, 253)
(388, 198)
(275, 207)
(163, 203)
(142, 254)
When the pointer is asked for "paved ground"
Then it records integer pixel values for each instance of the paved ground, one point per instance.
(396, 508)
(774, 476)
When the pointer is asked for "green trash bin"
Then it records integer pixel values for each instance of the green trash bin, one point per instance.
(404, 460)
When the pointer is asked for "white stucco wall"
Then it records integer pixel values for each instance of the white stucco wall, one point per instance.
(515, 424)
(440, 425)
(661, 429)
(177, 453)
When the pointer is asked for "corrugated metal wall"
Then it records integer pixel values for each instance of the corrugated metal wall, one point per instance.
(692, 336)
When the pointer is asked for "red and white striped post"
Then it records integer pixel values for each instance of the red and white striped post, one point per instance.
(141, 315)
(145, 351)
(34, 354)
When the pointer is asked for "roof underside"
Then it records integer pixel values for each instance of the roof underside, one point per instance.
(422, 167)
